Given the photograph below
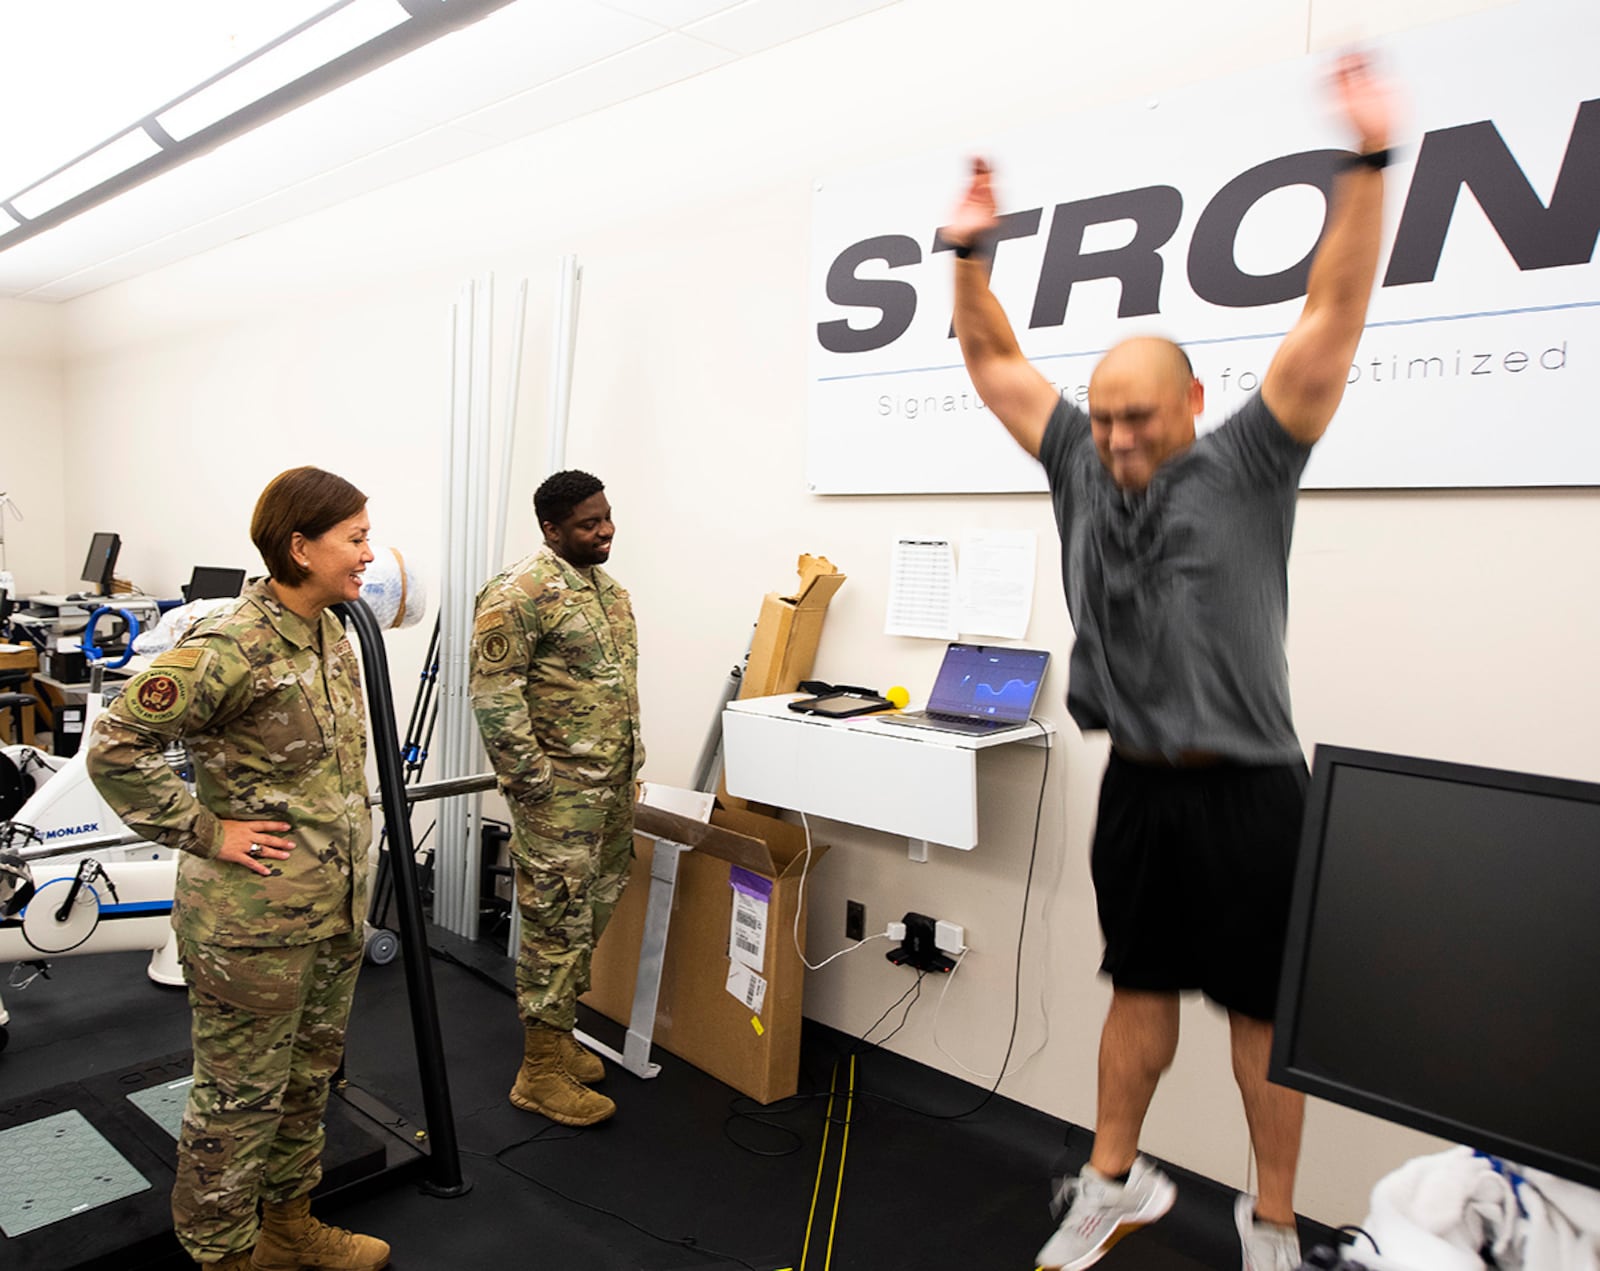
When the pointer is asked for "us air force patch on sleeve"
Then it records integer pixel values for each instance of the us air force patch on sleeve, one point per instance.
(495, 646)
(155, 697)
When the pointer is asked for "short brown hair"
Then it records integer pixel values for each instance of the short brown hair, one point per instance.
(304, 501)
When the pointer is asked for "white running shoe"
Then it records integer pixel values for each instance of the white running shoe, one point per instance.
(1265, 1246)
(1101, 1212)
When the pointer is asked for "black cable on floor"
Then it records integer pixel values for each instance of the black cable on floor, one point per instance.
(682, 1242)
(741, 1116)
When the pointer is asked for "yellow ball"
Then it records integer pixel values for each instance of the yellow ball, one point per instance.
(899, 697)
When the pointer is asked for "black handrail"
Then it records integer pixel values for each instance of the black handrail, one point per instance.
(443, 1174)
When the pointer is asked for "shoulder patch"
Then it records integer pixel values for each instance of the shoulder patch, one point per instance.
(155, 697)
(187, 657)
(489, 620)
(494, 647)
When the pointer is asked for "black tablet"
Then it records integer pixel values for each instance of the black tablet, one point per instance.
(841, 705)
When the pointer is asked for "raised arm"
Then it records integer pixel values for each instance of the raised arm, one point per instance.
(1306, 379)
(1020, 397)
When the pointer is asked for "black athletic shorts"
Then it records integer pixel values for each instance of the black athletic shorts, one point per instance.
(1192, 869)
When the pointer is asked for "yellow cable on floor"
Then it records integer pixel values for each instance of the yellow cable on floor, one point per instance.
(822, 1161)
(844, 1146)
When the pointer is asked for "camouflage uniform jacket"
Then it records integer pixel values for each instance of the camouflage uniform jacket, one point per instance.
(273, 719)
(555, 663)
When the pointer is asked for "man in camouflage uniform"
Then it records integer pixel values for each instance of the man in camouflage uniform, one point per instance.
(555, 689)
(268, 907)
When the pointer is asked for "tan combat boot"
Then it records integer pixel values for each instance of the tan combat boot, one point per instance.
(233, 1262)
(545, 1086)
(579, 1061)
(292, 1239)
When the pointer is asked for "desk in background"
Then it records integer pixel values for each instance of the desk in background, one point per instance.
(18, 665)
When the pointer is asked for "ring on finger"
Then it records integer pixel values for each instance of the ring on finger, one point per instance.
(255, 849)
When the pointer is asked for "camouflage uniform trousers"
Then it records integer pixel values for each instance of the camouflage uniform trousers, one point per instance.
(268, 1031)
(572, 850)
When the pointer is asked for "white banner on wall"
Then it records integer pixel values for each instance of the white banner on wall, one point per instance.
(1194, 216)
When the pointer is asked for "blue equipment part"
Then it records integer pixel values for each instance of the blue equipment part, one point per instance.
(91, 650)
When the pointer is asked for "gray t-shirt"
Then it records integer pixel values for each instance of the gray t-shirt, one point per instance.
(1180, 594)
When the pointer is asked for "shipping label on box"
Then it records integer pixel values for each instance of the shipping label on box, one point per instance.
(749, 987)
(747, 931)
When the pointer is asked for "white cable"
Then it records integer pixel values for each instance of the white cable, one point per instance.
(801, 904)
(1043, 1012)
(939, 1046)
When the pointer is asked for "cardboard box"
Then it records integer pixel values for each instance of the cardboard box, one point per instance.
(789, 629)
(784, 646)
(752, 1046)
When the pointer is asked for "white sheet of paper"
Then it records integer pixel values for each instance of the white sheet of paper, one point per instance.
(922, 589)
(996, 582)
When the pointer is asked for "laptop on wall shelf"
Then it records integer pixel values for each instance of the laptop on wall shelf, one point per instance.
(981, 689)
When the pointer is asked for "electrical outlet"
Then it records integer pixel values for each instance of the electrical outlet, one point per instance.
(855, 920)
(918, 948)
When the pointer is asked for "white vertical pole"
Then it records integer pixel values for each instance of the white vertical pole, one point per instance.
(519, 315)
(563, 350)
(450, 822)
(476, 575)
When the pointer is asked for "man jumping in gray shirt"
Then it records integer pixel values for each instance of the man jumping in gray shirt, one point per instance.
(1175, 562)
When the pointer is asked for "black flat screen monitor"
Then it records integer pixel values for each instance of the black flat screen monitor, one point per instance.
(208, 582)
(1443, 963)
(102, 561)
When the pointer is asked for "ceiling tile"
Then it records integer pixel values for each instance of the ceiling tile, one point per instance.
(672, 13)
(759, 24)
(662, 61)
(513, 49)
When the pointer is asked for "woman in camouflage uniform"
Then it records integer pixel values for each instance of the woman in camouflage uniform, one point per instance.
(272, 879)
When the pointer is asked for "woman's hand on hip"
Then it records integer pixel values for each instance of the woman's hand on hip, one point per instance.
(253, 843)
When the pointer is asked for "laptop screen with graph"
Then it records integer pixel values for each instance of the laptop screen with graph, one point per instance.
(992, 682)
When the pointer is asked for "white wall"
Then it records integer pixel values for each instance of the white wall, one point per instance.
(1444, 625)
(32, 449)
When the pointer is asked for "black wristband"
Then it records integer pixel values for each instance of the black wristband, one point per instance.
(963, 250)
(1374, 159)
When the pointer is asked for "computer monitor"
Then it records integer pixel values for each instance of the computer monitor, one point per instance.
(102, 561)
(208, 582)
(1443, 962)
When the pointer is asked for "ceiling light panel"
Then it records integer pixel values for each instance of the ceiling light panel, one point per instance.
(82, 71)
(497, 57)
(314, 45)
(99, 165)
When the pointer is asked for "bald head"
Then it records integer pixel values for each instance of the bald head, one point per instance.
(1143, 399)
(1159, 360)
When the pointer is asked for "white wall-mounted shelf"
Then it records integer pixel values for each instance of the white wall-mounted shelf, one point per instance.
(863, 771)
